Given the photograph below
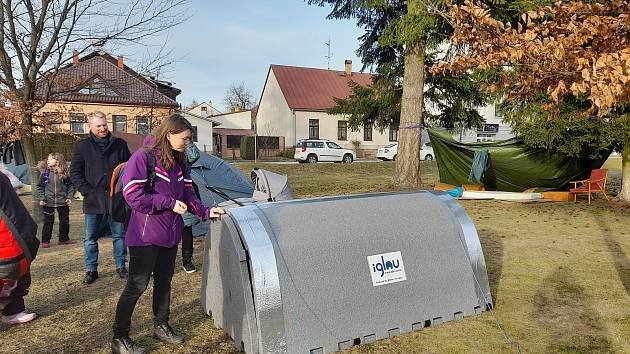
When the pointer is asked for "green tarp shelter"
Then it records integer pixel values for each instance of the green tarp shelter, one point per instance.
(512, 166)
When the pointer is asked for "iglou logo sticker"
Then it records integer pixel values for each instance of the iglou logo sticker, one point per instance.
(386, 268)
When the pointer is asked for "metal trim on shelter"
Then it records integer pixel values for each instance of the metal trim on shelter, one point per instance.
(265, 280)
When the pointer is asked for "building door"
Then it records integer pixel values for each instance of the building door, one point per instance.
(216, 139)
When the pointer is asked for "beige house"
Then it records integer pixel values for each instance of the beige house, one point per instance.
(203, 130)
(133, 103)
(294, 102)
(203, 109)
(232, 127)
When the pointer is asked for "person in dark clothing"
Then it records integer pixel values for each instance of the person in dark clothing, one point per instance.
(192, 155)
(18, 248)
(54, 192)
(94, 159)
(187, 237)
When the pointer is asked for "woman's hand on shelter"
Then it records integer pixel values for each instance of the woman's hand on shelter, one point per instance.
(215, 213)
(180, 207)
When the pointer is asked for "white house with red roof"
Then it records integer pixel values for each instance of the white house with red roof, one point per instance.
(294, 102)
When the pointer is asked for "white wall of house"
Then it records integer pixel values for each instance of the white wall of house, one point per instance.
(204, 132)
(274, 118)
(328, 129)
(204, 109)
(490, 115)
(236, 120)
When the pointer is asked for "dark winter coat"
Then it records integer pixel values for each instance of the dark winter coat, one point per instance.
(91, 170)
(16, 221)
(54, 189)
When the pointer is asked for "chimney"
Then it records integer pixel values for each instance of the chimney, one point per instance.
(348, 71)
(75, 57)
(120, 63)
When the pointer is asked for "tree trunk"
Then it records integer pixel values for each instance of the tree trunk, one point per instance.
(408, 159)
(28, 148)
(624, 194)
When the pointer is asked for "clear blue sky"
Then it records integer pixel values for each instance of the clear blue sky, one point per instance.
(235, 41)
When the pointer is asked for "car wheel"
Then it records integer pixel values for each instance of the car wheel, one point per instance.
(312, 158)
(347, 158)
(428, 157)
(394, 158)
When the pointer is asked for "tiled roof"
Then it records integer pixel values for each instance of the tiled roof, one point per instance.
(131, 87)
(314, 89)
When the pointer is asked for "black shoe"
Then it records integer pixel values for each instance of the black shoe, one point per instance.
(125, 345)
(122, 273)
(90, 277)
(189, 267)
(165, 333)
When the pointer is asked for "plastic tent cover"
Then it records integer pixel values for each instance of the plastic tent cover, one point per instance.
(512, 166)
(270, 186)
(211, 171)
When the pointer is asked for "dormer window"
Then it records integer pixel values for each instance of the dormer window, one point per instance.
(97, 86)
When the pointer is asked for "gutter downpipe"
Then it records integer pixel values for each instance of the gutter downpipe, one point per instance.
(294, 127)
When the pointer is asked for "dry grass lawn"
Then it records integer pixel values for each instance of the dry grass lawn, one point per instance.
(559, 275)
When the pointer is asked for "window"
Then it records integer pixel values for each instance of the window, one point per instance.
(489, 128)
(484, 137)
(313, 128)
(332, 145)
(342, 130)
(367, 131)
(143, 125)
(268, 142)
(52, 121)
(204, 109)
(120, 123)
(97, 87)
(77, 123)
(315, 144)
(234, 141)
(393, 134)
(195, 137)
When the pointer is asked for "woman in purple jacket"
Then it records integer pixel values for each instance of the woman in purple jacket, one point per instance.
(157, 201)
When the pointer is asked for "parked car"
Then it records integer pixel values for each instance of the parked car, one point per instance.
(314, 150)
(389, 152)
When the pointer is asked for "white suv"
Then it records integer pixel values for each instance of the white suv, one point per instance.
(312, 151)
(390, 152)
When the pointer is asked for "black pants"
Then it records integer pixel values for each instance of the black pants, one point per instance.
(49, 220)
(15, 303)
(187, 243)
(142, 261)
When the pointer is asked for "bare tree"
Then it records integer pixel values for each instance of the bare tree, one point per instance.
(192, 104)
(238, 97)
(36, 39)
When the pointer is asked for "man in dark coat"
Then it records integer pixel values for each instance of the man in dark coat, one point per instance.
(94, 159)
(18, 248)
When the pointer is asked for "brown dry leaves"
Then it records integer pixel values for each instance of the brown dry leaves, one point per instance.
(577, 48)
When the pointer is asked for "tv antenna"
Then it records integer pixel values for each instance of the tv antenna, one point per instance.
(330, 55)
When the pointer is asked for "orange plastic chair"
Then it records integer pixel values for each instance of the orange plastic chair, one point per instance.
(595, 184)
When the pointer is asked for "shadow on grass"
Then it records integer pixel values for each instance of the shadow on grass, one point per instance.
(567, 314)
(492, 246)
(621, 261)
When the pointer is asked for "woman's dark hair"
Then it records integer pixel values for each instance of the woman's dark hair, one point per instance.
(174, 124)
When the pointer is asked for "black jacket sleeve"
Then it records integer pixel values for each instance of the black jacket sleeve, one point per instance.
(77, 170)
(18, 219)
(126, 154)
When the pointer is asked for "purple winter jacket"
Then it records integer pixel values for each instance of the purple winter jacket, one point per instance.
(153, 221)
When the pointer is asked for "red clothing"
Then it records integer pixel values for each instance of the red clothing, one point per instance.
(9, 248)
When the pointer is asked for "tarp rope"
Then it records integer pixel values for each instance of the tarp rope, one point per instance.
(506, 337)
